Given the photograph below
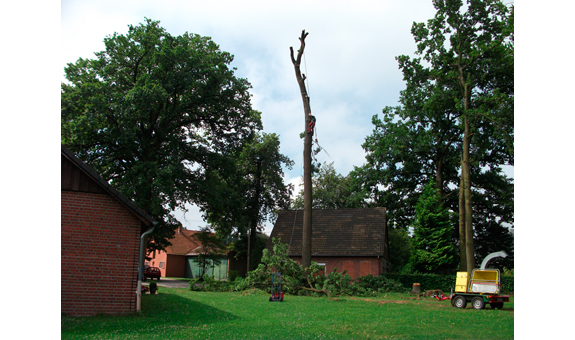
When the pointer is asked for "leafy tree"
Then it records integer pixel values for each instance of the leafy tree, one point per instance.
(254, 193)
(211, 250)
(456, 116)
(411, 145)
(157, 115)
(399, 250)
(330, 191)
(433, 250)
(470, 50)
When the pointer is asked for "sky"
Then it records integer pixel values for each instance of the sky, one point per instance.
(349, 61)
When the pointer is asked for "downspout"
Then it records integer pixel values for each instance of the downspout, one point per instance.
(141, 266)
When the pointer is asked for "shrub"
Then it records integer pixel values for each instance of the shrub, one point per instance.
(297, 281)
(208, 284)
(233, 275)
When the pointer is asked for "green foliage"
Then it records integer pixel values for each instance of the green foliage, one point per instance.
(157, 115)
(433, 250)
(233, 275)
(462, 75)
(297, 281)
(507, 284)
(508, 272)
(331, 191)
(211, 250)
(255, 192)
(399, 249)
(153, 285)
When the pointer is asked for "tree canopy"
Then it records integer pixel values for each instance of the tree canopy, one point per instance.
(455, 122)
(255, 191)
(330, 190)
(157, 115)
(433, 250)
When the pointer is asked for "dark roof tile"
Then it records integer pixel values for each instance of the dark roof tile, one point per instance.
(335, 232)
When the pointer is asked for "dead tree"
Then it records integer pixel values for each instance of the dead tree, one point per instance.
(307, 187)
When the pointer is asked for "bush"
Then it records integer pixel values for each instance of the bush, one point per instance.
(297, 281)
(208, 284)
(233, 275)
(507, 284)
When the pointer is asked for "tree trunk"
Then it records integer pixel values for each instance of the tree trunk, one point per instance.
(466, 176)
(462, 232)
(307, 186)
(255, 210)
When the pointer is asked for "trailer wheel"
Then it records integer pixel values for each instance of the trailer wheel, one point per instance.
(496, 305)
(459, 302)
(478, 302)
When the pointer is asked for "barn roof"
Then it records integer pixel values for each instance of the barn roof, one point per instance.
(78, 176)
(182, 242)
(335, 232)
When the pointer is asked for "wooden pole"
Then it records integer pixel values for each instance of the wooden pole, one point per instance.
(307, 187)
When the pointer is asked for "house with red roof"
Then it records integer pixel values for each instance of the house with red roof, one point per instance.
(179, 259)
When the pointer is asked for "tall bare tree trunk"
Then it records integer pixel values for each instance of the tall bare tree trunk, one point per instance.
(307, 187)
(462, 232)
(466, 176)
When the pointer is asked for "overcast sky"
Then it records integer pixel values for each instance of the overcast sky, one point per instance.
(349, 60)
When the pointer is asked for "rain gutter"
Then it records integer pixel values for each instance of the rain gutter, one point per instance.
(141, 266)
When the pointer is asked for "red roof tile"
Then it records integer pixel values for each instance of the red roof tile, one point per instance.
(183, 243)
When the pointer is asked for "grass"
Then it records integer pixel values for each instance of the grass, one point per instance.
(182, 314)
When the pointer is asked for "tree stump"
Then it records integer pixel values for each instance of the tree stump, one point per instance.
(416, 289)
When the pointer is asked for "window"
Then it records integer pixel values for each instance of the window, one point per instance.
(162, 263)
(323, 265)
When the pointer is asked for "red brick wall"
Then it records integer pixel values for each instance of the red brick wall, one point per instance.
(355, 266)
(99, 252)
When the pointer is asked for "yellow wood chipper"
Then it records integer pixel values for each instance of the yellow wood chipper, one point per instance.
(481, 288)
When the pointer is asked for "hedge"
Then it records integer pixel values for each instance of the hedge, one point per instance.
(443, 282)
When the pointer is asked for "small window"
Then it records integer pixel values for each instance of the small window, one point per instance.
(162, 263)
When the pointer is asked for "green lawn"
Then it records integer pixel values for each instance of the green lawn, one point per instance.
(182, 314)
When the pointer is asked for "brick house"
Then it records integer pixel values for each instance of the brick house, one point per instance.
(172, 261)
(347, 239)
(178, 258)
(100, 240)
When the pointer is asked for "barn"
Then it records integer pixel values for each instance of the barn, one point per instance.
(347, 239)
(100, 240)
